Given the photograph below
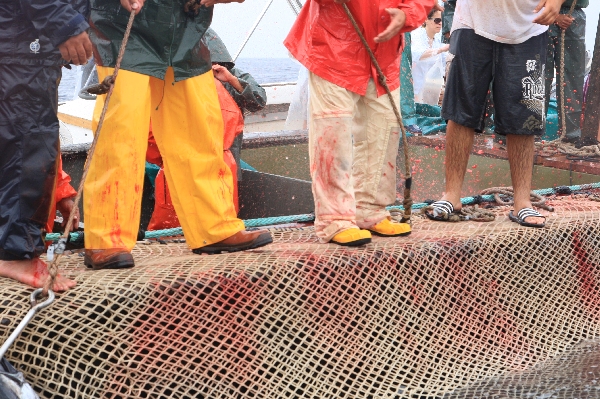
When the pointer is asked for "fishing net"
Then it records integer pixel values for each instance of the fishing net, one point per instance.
(455, 310)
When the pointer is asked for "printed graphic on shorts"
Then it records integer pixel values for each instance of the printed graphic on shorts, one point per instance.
(533, 93)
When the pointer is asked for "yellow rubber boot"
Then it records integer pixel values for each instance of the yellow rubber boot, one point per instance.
(352, 237)
(389, 228)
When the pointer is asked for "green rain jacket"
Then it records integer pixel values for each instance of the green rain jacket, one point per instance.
(162, 36)
(253, 98)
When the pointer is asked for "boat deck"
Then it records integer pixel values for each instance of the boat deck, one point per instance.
(456, 310)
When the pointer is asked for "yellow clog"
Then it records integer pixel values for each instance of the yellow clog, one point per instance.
(352, 237)
(389, 228)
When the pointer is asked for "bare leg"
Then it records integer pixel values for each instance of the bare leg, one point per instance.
(520, 157)
(459, 143)
(34, 273)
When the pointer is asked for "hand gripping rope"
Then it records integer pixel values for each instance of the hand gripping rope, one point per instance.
(560, 145)
(62, 242)
(407, 202)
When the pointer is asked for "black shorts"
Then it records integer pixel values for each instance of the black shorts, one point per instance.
(516, 72)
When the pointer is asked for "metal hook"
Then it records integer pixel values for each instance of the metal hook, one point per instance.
(39, 306)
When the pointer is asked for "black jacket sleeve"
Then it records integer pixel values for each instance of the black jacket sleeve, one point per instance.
(56, 19)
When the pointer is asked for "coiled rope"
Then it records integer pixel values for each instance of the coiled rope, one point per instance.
(536, 199)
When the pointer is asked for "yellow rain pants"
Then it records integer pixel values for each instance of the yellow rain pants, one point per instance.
(188, 127)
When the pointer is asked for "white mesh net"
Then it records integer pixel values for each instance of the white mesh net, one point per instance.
(458, 309)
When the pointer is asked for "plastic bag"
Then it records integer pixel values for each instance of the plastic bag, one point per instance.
(13, 384)
(434, 80)
(297, 118)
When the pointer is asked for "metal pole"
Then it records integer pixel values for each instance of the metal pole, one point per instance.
(260, 17)
(296, 6)
(589, 133)
(293, 7)
(35, 307)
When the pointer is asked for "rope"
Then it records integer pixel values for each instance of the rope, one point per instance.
(494, 194)
(474, 213)
(407, 202)
(311, 217)
(497, 192)
(562, 74)
(53, 268)
(559, 145)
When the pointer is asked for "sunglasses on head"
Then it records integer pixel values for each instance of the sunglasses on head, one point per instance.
(436, 20)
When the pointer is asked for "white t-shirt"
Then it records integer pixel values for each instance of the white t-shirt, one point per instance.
(504, 21)
(424, 56)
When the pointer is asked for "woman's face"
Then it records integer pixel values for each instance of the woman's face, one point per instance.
(434, 24)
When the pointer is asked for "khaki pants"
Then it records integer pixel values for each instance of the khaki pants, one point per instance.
(353, 142)
(188, 128)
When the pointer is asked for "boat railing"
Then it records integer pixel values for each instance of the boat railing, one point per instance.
(276, 84)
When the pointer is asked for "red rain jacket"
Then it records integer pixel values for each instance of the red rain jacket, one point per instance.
(324, 40)
(62, 190)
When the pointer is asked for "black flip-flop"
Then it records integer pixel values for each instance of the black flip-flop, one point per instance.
(442, 211)
(524, 214)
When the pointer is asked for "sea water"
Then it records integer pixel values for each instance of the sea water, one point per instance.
(264, 70)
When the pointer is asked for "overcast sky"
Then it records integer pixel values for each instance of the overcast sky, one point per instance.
(233, 22)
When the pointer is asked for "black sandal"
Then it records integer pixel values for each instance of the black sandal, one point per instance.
(524, 214)
(442, 210)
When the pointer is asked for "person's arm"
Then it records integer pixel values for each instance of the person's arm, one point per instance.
(550, 10)
(416, 12)
(63, 25)
(64, 194)
(246, 92)
(564, 21)
(408, 16)
(420, 48)
(210, 3)
(223, 74)
(252, 97)
(432, 52)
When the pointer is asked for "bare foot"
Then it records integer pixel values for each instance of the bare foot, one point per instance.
(33, 273)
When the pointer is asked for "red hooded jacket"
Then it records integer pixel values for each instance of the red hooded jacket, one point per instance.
(325, 42)
(62, 190)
